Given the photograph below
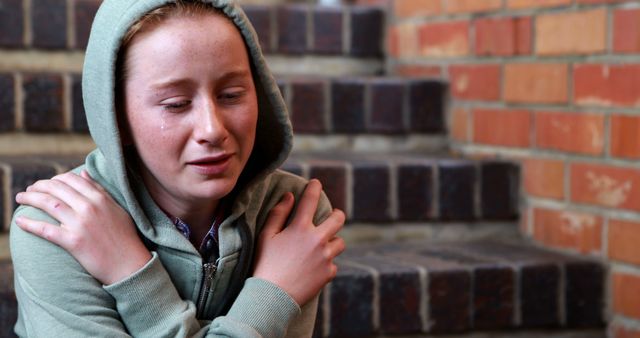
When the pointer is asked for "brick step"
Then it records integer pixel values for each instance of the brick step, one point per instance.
(371, 188)
(346, 105)
(391, 187)
(412, 289)
(460, 287)
(365, 105)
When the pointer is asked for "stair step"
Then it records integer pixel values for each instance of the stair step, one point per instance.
(387, 187)
(365, 105)
(370, 188)
(295, 29)
(415, 288)
(404, 288)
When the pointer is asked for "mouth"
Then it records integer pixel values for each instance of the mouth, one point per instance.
(211, 165)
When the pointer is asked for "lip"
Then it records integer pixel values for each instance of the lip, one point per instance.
(211, 165)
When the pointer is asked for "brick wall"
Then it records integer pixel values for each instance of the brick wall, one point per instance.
(554, 84)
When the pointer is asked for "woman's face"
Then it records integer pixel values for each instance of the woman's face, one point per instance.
(191, 108)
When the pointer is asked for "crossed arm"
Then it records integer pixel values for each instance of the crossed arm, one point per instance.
(292, 264)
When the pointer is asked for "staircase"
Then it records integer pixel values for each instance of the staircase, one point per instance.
(433, 238)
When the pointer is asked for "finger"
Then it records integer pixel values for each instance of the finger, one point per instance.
(84, 174)
(83, 186)
(65, 188)
(48, 203)
(278, 216)
(332, 225)
(335, 247)
(308, 204)
(52, 233)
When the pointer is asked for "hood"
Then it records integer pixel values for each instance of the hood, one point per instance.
(108, 165)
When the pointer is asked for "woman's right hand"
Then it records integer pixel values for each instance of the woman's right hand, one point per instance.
(299, 258)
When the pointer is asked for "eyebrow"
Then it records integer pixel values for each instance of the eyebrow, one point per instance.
(183, 82)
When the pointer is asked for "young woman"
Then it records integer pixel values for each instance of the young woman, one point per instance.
(179, 224)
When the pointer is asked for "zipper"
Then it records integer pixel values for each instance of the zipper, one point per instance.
(209, 272)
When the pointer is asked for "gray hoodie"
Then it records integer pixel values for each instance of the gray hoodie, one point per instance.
(171, 296)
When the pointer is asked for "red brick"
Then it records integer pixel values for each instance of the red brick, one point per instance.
(544, 178)
(607, 85)
(460, 125)
(626, 31)
(568, 230)
(403, 40)
(626, 298)
(502, 127)
(463, 6)
(503, 36)
(607, 186)
(519, 4)
(625, 136)
(418, 71)
(603, 1)
(624, 237)
(622, 332)
(475, 82)
(408, 8)
(582, 32)
(536, 83)
(580, 133)
(444, 39)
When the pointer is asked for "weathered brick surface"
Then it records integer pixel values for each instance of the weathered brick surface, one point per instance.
(464, 6)
(494, 306)
(626, 297)
(625, 136)
(626, 31)
(459, 129)
(366, 31)
(444, 39)
(43, 108)
(607, 85)
(620, 331)
(499, 183)
(418, 71)
(536, 83)
(351, 308)
(348, 105)
(539, 296)
(419, 8)
(580, 32)
(371, 192)
(49, 23)
(292, 29)
(544, 177)
(260, 17)
(515, 130)
(415, 191)
(7, 103)
(333, 176)
(85, 11)
(327, 30)
(571, 132)
(11, 23)
(503, 36)
(308, 106)
(399, 294)
(475, 82)
(520, 4)
(456, 190)
(565, 229)
(426, 106)
(402, 40)
(605, 185)
(584, 288)
(624, 237)
(387, 106)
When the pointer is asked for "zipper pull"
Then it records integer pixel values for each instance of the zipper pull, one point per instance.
(209, 273)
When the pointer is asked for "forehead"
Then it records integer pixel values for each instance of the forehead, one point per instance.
(210, 41)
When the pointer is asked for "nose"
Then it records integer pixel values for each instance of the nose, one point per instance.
(209, 125)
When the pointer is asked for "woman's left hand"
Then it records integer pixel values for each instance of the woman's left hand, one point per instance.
(94, 229)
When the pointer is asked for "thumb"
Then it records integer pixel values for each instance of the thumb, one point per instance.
(278, 216)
